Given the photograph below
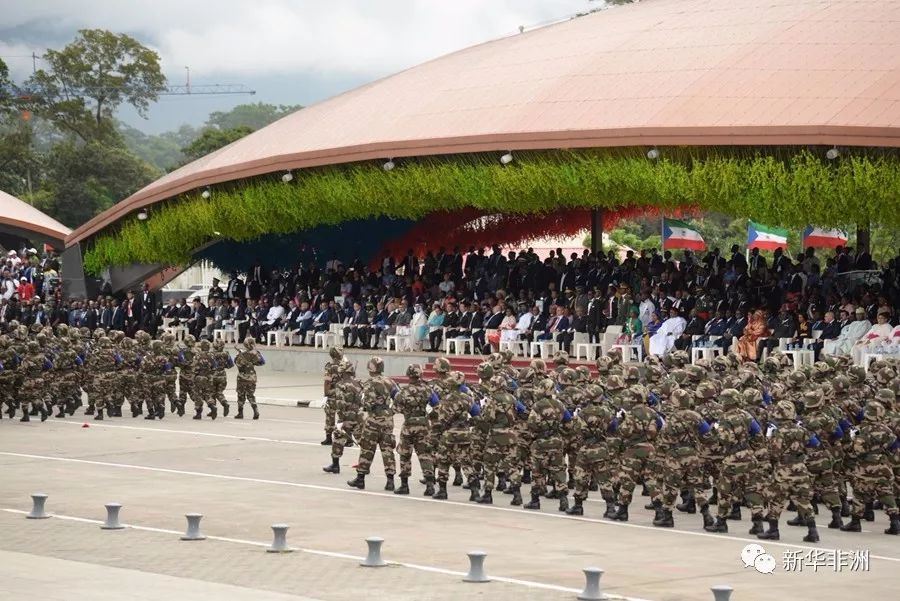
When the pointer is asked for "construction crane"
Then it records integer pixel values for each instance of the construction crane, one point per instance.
(211, 88)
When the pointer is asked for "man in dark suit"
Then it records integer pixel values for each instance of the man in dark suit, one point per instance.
(148, 310)
(831, 329)
(578, 323)
(451, 321)
(734, 331)
(117, 321)
(410, 264)
(596, 318)
(557, 324)
(106, 317)
(197, 321)
(357, 327)
(380, 322)
(492, 320)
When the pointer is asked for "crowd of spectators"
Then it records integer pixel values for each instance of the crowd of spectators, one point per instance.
(29, 285)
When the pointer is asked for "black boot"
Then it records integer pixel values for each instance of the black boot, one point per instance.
(757, 525)
(610, 508)
(429, 487)
(240, 413)
(526, 476)
(486, 499)
(845, 508)
(99, 416)
(772, 533)
(535, 502)
(225, 409)
(707, 517)
(25, 417)
(198, 413)
(813, 535)
(516, 496)
(255, 412)
(213, 412)
(714, 499)
(325, 443)
(852, 526)
(577, 508)
(720, 525)
(44, 413)
(644, 491)
(621, 514)
(62, 411)
(791, 506)
(90, 409)
(359, 482)
(895, 525)
(869, 512)
(593, 486)
(689, 505)
(404, 486)
(389, 484)
(334, 468)
(150, 414)
(665, 519)
(501, 483)
(735, 512)
(34, 411)
(135, 411)
(656, 506)
(563, 502)
(441, 493)
(457, 479)
(797, 521)
(161, 412)
(835, 518)
(570, 484)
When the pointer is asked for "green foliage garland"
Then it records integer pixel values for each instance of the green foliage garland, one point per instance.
(791, 191)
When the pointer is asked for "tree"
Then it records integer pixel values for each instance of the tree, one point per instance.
(254, 116)
(85, 82)
(163, 151)
(6, 89)
(212, 139)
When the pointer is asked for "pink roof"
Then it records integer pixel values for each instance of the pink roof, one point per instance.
(18, 214)
(660, 72)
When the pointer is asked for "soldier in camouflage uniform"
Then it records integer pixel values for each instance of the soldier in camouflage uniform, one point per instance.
(499, 415)
(170, 350)
(527, 392)
(571, 395)
(128, 374)
(221, 361)
(546, 421)
(204, 364)
(677, 447)
(347, 394)
(378, 429)
(455, 407)
(68, 364)
(480, 431)
(246, 362)
(34, 366)
(186, 358)
(142, 377)
(595, 425)
(332, 372)
(10, 376)
(441, 367)
(414, 402)
(871, 475)
(638, 430)
(154, 367)
(104, 362)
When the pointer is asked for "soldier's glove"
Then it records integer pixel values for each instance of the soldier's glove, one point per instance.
(853, 433)
(339, 425)
(620, 414)
(520, 408)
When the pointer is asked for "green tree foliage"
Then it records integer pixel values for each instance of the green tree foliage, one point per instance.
(254, 115)
(6, 89)
(20, 162)
(163, 151)
(85, 82)
(212, 139)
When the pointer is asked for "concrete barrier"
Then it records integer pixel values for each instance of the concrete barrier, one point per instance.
(193, 527)
(37, 507)
(373, 557)
(592, 590)
(476, 567)
(112, 517)
(279, 541)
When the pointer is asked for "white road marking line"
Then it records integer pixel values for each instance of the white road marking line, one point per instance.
(334, 554)
(720, 538)
(195, 433)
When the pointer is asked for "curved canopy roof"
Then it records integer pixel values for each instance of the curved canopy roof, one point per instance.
(660, 72)
(22, 219)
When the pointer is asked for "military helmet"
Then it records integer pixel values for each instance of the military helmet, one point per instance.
(335, 353)
(128, 342)
(679, 375)
(668, 387)
(204, 345)
(218, 345)
(63, 329)
(857, 374)
(730, 398)
(495, 359)
(190, 341)
(885, 375)
(568, 377)
(632, 374)
(33, 347)
(822, 370)
(695, 373)
(615, 382)
(841, 384)
(441, 365)
(584, 372)
(604, 364)
(771, 365)
(375, 365)
(752, 397)
(721, 364)
(635, 395)
(797, 379)
(886, 396)
(496, 383)
(37, 327)
(506, 356)
(98, 333)
(813, 398)
(680, 358)
(705, 390)
(874, 411)
(539, 366)
(561, 358)
(169, 338)
(682, 398)
(250, 342)
(414, 372)
(784, 410)
(485, 371)
(156, 346)
(526, 374)
(877, 365)
(457, 377)
(545, 387)
(4, 341)
(347, 369)
(655, 372)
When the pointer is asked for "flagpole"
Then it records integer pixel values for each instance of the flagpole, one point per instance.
(662, 234)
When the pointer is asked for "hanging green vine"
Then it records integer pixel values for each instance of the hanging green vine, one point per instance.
(793, 191)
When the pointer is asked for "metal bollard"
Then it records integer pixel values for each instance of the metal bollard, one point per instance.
(279, 543)
(37, 507)
(193, 527)
(721, 592)
(112, 517)
(592, 590)
(476, 567)
(373, 558)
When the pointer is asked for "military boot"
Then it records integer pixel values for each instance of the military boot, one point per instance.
(720, 525)
(151, 414)
(34, 411)
(688, 506)
(255, 412)
(179, 407)
(735, 512)
(610, 507)
(225, 409)
(501, 483)
(645, 492)
(213, 412)
(563, 502)
(812, 535)
(429, 487)
(198, 413)
(90, 409)
(25, 417)
(240, 412)
(593, 486)
(325, 443)
(535, 502)
(404, 486)
(99, 416)
(757, 524)
(791, 506)
(656, 506)
(44, 413)
(868, 512)
(526, 476)
(852, 526)
(665, 519)
(62, 411)
(577, 508)
(707, 517)
(161, 411)
(172, 406)
(486, 499)
(441, 493)
(895, 525)
(845, 508)
(516, 496)
(359, 482)
(389, 484)
(714, 499)
(835, 518)
(797, 521)
(135, 410)
(772, 533)
(334, 468)
(457, 479)
(621, 514)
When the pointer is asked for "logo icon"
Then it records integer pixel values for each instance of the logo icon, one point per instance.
(755, 556)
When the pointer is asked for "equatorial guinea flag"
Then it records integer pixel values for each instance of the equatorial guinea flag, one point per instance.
(678, 234)
(817, 237)
(764, 237)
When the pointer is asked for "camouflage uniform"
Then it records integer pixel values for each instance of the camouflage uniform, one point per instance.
(527, 392)
(170, 350)
(571, 394)
(201, 392)
(378, 429)
(499, 415)
(221, 361)
(10, 377)
(128, 374)
(154, 367)
(546, 421)
(34, 365)
(246, 362)
(186, 358)
(347, 394)
(638, 429)
(413, 402)
(332, 373)
(595, 426)
(68, 364)
(114, 406)
(455, 407)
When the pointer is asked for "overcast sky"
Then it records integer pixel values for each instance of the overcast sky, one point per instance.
(289, 51)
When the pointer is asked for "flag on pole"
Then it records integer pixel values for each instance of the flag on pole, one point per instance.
(764, 237)
(678, 234)
(817, 237)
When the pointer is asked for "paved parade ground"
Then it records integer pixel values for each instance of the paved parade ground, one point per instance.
(245, 476)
